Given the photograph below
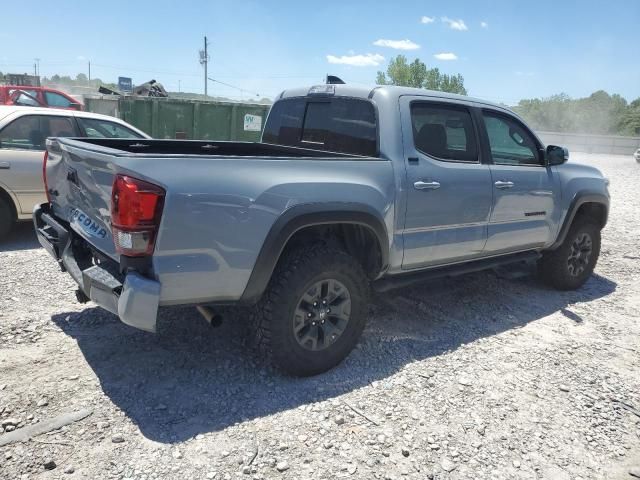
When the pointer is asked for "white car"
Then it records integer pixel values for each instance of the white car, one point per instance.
(23, 131)
(637, 155)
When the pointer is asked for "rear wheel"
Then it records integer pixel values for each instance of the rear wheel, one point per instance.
(6, 218)
(313, 311)
(570, 265)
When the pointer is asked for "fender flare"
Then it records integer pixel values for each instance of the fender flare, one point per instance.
(578, 200)
(308, 215)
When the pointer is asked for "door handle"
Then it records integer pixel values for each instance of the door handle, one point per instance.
(503, 185)
(420, 185)
(5, 165)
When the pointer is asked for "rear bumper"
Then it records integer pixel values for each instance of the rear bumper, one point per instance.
(134, 298)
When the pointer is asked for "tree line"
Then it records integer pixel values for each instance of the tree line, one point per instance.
(599, 113)
(81, 80)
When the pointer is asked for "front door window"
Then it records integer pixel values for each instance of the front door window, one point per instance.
(510, 143)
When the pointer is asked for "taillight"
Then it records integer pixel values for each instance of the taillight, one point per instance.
(44, 175)
(136, 208)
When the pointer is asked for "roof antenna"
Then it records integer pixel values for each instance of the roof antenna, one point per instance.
(333, 80)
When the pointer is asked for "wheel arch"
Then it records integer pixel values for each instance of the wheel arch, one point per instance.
(585, 204)
(310, 220)
(10, 200)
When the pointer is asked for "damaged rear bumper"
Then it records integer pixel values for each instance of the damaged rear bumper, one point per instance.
(134, 298)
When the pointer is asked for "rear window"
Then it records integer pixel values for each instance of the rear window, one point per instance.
(95, 128)
(343, 125)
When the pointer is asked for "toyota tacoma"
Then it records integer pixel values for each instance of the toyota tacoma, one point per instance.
(350, 190)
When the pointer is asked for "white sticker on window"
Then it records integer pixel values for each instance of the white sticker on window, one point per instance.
(252, 123)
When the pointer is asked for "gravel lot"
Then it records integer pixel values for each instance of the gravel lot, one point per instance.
(487, 376)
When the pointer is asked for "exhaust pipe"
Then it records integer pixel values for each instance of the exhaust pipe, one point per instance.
(210, 316)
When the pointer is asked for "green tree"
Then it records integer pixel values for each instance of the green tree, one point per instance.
(417, 75)
(630, 121)
(599, 113)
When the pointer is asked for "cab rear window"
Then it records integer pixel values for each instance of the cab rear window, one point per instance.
(343, 125)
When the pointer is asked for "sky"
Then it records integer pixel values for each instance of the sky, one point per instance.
(505, 50)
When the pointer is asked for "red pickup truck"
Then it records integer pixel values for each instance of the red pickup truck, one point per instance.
(37, 97)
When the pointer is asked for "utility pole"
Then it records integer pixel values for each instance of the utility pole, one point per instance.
(89, 70)
(204, 60)
(178, 86)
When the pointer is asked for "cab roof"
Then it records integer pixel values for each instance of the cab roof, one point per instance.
(391, 92)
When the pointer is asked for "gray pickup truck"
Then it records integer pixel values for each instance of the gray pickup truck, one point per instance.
(350, 189)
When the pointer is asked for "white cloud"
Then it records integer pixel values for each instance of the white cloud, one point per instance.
(368, 60)
(397, 44)
(455, 24)
(426, 19)
(484, 24)
(445, 56)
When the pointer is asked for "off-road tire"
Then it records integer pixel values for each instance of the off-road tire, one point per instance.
(273, 317)
(554, 266)
(6, 218)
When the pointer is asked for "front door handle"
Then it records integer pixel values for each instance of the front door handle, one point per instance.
(5, 165)
(503, 185)
(420, 185)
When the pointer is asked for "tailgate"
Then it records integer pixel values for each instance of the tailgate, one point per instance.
(79, 182)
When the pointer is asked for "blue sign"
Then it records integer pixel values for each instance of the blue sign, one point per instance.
(125, 84)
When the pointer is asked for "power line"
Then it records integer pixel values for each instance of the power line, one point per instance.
(233, 86)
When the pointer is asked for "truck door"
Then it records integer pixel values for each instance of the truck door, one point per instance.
(524, 188)
(449, 191)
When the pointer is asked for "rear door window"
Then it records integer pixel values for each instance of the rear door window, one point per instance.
(21, 133)
(29, 132)
(343, 125)
(444, 131)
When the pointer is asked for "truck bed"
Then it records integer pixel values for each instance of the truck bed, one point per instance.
(221, 201)
(199, 147)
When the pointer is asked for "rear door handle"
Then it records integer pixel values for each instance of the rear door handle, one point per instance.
(5, 165)
(503, 185)
(420, 185)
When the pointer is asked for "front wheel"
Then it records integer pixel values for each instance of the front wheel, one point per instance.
(570, 265)
(313, 311)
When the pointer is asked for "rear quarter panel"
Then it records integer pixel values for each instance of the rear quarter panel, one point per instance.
(218, 212)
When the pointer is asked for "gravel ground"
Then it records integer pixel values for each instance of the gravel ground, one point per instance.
(487, 376)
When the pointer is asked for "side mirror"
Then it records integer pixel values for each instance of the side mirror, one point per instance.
(556, 155)
(76, 106)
